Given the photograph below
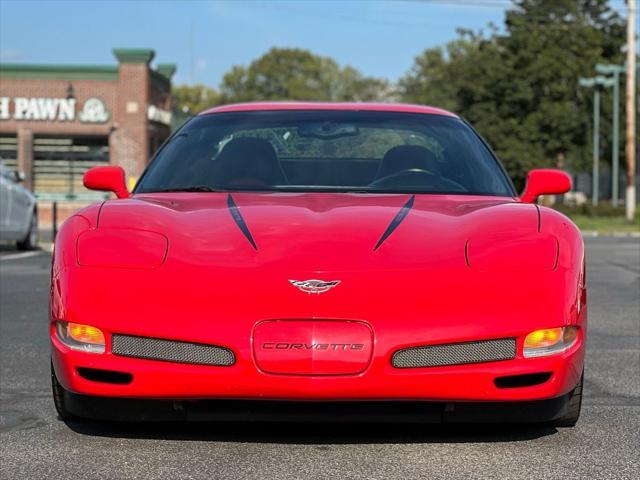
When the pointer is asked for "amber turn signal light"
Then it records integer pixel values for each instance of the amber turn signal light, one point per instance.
(549, 341)
(81, 337)
(85, 333)
(543, 338)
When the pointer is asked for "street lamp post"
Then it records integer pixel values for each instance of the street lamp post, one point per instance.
(597, 83)
(614, 70)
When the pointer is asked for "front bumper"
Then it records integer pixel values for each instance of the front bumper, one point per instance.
(144, 410)
(152, 379)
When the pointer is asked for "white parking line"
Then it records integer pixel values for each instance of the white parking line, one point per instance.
(16, 256)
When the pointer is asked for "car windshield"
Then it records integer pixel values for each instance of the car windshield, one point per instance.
(326, 151)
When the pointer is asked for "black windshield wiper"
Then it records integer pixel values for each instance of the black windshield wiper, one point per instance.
(191, 188)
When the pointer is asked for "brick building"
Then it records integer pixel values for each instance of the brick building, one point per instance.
(56, 121)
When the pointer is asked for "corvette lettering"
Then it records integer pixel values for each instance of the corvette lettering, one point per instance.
(311, 346)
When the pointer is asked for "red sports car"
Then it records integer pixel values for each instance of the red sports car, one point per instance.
(314, 261)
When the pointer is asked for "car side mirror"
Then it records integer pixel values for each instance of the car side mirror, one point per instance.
(19, 177)
(106, 179)
(545, 182)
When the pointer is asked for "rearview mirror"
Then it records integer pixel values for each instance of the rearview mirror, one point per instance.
(106, 179)
(545, 182)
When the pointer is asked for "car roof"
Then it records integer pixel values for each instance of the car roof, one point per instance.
(353, 106)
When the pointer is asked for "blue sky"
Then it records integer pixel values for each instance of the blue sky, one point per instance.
(206, 38)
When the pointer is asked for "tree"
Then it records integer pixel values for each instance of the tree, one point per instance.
(192, 99)
(295, 74)
(520, 89)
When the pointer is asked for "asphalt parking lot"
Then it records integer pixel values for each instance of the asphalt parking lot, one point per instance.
(604, 444)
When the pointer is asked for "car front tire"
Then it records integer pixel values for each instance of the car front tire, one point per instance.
(574, 406)
(59, 398)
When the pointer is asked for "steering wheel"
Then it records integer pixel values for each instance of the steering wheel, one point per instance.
(417, 177)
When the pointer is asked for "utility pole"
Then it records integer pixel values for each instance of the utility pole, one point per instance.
(596, 83)
(630, 197)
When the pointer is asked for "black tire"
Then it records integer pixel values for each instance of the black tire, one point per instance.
(30, 241)
(574, 406)
(59, 394)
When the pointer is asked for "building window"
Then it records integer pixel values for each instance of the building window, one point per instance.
(60, 162)
(9, 152)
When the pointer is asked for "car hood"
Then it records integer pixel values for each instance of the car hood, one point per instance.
(319, 232)
(210, 275)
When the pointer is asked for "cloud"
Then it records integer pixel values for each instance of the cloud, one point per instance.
(9, 55)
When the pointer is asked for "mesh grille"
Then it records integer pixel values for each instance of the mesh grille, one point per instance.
(455, 353)
(171, 351)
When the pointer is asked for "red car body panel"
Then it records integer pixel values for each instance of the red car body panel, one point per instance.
(435, 280)
(354, 106)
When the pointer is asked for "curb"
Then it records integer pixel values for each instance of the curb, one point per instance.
(46, 246)
(595, 234)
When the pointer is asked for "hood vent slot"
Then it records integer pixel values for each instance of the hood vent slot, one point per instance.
(242, 225)
(395, 223)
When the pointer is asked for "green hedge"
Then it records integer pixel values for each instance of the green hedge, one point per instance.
(603, 209)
